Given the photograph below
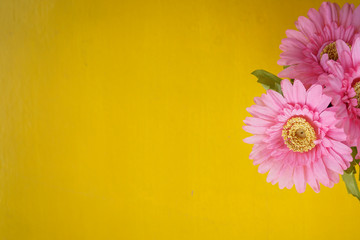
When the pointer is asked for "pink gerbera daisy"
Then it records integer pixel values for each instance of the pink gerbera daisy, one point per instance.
(343, 86)
(296, 138)
(303, 50)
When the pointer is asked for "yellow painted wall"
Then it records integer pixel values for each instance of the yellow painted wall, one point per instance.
(122, 120)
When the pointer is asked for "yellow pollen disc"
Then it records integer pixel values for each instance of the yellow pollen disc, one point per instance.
(357, 90)
(331, 51)
(298, 135)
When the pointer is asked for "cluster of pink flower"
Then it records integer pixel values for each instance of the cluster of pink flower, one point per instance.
(305, 132)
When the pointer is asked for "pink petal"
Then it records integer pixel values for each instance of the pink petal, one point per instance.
(345, 17)
(334, 12)
(356, 18)
(290, 33)
(299, 92)
(341, 46)
(313, 94)
(255, 130)
(334, 177)
(261, 112)
(289, 72)
(345, 60)
(332, 164)
(326, 12)
(342, 149)
(311, 180)
(271, 102)
(335, 68)
(252, 121)
(299, 179)
(305, 26)
(259, 101)
(328, 118)
(273, 174)
(320, 172)
(265, 166)
(338, 159)
(285, 175)
(337, 134)
(254, 139)
(315, 17)
(356, 52)
(323, 103)
(277, 97)
(259, 157)
(287, 90)
(291, 43)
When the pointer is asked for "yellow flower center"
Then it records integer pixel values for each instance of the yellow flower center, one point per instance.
(298, 135)
(331, 51)
(357, 90)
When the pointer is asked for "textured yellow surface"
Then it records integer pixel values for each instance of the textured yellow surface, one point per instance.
(122, 120)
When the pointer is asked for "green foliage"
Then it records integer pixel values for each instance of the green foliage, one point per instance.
(351, 184)
(268, 80)
(354, 163)
(349, 176)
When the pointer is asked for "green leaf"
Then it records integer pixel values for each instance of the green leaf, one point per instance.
(351, 184)
(268, 80)
(349, 176)
(354, 152)
(354, 163)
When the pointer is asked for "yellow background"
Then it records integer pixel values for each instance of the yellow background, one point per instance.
(122, 120)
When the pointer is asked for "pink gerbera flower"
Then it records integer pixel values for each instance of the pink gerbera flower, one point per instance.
(296, 138)
(343, 86)
(303, 50)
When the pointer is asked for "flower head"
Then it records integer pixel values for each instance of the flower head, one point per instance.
(296, 138)
(342, 84)
(306, 50)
